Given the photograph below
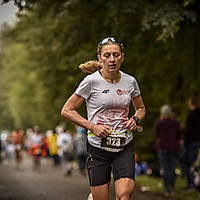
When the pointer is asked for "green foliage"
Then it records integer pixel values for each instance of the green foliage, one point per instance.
(169, 15)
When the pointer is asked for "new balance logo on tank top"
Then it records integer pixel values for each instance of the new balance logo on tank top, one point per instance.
(108, 104)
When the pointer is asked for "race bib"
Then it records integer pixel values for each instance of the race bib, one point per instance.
(114, 141)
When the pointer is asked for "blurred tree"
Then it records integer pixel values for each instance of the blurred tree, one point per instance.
(168, 15)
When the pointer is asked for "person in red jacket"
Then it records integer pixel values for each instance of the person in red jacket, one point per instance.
(167, 131)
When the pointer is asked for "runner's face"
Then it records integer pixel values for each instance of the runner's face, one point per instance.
(111, 57)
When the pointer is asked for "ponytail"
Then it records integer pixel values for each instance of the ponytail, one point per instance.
(90, 66)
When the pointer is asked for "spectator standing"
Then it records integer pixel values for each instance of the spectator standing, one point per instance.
(36, 147)
(53, 148)
(17, 138)
(167, 131)
(80, 149)
(191, 140)
(65, 151)
(10, 150)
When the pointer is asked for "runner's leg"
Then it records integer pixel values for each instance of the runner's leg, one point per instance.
(124, 188)
(100, 192)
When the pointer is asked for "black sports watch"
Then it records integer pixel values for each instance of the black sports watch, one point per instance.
(136, 119)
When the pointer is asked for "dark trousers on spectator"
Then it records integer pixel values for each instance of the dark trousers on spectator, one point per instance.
(189, 156)
(168, 162)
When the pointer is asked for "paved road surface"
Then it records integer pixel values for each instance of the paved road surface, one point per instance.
(49, 184)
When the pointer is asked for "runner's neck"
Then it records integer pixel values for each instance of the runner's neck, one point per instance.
(111, 77)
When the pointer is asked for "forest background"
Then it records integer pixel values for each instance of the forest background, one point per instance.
(41, 52)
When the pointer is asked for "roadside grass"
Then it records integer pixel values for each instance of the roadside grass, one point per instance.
(155, 184)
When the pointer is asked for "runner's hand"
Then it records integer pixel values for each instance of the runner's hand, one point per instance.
(130, 124)
(101, 130)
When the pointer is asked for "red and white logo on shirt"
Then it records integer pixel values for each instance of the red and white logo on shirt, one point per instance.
(120, 92)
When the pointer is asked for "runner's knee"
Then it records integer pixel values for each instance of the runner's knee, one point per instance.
(124, 195)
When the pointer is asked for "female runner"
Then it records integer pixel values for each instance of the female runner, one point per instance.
(110, 147)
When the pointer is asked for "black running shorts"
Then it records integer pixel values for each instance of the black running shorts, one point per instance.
(100, 163)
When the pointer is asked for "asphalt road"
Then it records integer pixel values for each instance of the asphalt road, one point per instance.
(50, 184)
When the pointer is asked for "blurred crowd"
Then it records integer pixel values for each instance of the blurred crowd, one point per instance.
(59, 145)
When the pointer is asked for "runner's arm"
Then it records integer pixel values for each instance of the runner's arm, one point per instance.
(138, 104)
(139, 112)
(70, 113)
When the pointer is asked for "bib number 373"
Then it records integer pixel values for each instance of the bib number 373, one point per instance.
(113, 141)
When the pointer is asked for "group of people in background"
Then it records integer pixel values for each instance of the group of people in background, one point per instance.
(59, 145)
(176, 142)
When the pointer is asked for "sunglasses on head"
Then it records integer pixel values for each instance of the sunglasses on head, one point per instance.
(112, 39)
